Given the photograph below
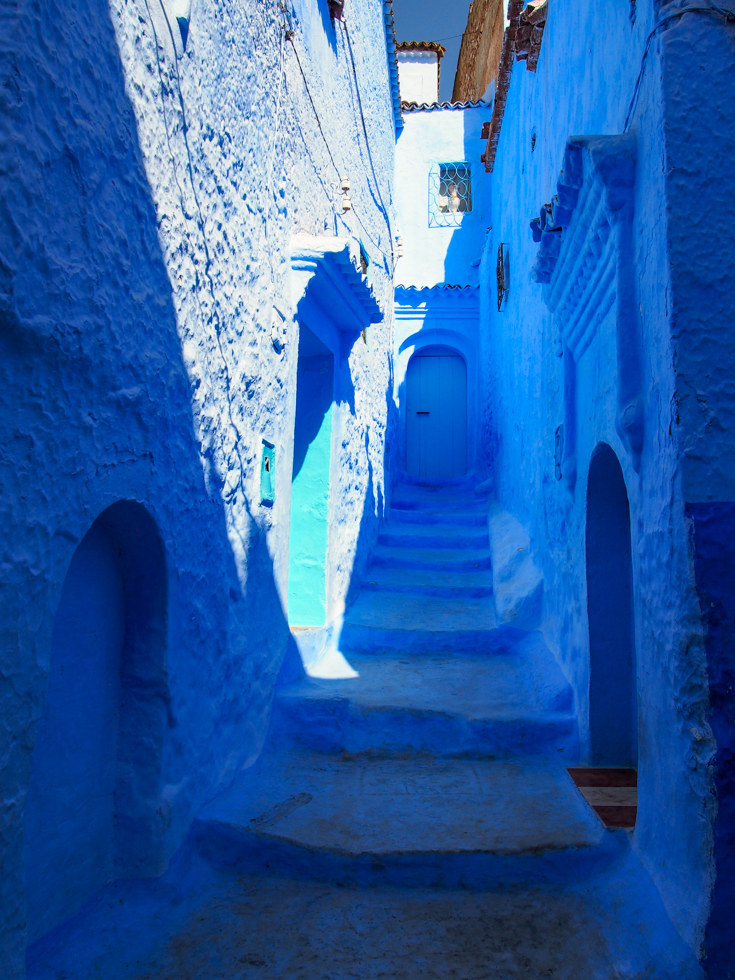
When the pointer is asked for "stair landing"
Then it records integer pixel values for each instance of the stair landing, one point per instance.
(413, 822)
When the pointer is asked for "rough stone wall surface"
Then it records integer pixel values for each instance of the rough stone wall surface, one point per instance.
(148, 204)
(698, 53)
(524, 397)
(479, 54)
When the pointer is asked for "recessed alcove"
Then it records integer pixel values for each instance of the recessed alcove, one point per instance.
(93, 811)
(613, 684)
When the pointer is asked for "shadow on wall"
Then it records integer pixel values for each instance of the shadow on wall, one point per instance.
(161, 669)
(613, 680)
(93, 809)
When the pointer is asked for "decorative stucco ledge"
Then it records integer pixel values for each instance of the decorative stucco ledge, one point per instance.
(425, 302)
(326, 273)
(586, 263)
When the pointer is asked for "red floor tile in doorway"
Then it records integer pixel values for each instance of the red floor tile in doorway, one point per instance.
(612, 793)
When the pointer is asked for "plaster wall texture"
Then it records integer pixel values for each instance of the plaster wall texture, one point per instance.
(148, 205)
(526, 395)
(418, 76)
(439, 254)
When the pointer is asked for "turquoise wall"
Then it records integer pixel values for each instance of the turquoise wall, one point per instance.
(307, 575)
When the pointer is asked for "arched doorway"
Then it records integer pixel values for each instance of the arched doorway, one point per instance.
(613, 675)
(93, 810)
(436, 413)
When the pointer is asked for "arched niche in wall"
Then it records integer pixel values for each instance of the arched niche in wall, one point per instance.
(436, 413)
(613, 708)
(93, 810)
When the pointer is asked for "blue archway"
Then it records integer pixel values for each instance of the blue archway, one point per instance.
(93, 807)
(613, 702)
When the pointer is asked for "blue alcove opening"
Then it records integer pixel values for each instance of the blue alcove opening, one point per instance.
(93, 810)
(613, 682)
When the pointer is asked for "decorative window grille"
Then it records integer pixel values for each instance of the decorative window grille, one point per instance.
(450, 194)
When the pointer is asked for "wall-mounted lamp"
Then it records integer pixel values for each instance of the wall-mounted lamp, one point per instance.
(345, 187)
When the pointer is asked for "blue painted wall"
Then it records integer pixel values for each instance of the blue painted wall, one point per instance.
(661, 400)
(151, 195)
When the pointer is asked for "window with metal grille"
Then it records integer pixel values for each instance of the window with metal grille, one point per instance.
(450, 194)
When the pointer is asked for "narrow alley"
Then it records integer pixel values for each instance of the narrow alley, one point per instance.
(367, 490)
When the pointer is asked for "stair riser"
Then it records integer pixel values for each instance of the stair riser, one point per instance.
(371, 640)
(433, 506)
(398, 539)
(334, 727)
(430, 518)
(450, 565)
(440, 591)
(247, 853)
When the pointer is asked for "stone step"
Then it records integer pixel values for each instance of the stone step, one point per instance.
(407, 497)
(439, 559)
(433, 536)
(484, 707)
(462, 518)
(426, 614)
(462, 583)
(415, 823)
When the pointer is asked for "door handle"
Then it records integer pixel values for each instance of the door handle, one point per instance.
(422, 413)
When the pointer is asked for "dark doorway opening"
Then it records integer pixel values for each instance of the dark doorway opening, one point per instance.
(93, 810)
(613, 674)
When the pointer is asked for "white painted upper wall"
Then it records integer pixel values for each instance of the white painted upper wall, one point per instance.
(433, 253)
(418, 76)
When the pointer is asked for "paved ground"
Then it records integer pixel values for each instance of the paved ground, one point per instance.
(433, 766)
(202, 924)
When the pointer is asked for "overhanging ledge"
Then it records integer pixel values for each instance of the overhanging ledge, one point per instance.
(326, 276)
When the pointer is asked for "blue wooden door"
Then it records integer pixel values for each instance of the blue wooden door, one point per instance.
(436, 415)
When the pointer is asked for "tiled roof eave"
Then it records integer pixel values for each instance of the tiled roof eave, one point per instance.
(434, 106)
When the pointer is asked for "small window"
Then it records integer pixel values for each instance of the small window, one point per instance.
(450, 194)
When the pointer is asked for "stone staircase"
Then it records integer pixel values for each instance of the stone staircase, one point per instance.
(443, 761)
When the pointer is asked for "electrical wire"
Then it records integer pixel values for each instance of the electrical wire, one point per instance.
(278, 109)
(362, 120)
(388, 258)
(316, 114)
(710, 8)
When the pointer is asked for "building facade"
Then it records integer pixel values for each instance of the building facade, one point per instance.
(606, 364)
(197, 255)
(258, 285)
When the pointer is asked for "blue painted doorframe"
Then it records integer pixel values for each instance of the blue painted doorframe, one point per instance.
(436, 415)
